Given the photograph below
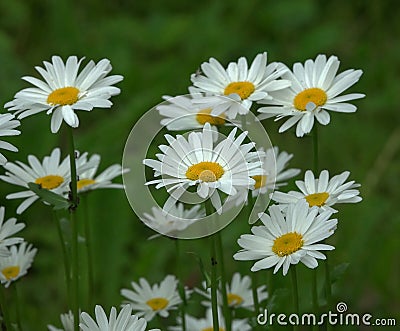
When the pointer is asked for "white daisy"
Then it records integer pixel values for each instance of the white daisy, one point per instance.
(240, 83)
(123, 321)
(7, 128)
(17, 263)
(286, 239)
(206, 324)
(239, 293)
(315, 88)
(64, 90)
(177, 219)
(196, 162)
(7, 229)
(183, 113)
(321, 192)
(67, 321)
(86, 171)
(52, 174)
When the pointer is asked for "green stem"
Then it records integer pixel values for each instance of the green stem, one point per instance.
(225, 307)
(67, 267)
(315, 149)
(328, 290)
(89, 252)
(181, 285)
(295, 293)
(4, 310)
(314, 295)
(74, 227)
(18, 306)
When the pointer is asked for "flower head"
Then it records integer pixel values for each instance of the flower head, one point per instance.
(321, 192)
(287, 238)
(123, 321)
(315, 88)
(17, 263)
(239, 82)
(196, 162)
(64, 90)
(7, 229)
(148, 301)
(7, 128)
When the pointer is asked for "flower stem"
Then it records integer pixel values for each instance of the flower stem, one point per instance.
(74, 228)
(181, 285)
(214, 284)
(4, 310)
(328, 290)
(226, 309)
(17, 306)
(89, 254)
(295, 293)
(315, 148)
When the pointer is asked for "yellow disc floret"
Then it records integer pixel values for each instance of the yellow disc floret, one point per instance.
(287, 244)
(261, 180)
(85, 182)
(314, 94)
(63, 96)
(204, 116)
(157, 303)
(244, 89)
(11, 272)
(317, 199)
(234, 299)
(205, 171)
(50, 182)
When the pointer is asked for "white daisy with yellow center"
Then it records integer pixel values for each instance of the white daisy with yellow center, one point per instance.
(315, 88)
(196, 162)
(52, 174)
(239, 82)
(206, 323)
(7, 128)
(64, 90)
(87, 178)
(125, 320)
(321, 192)
(177, 219)
(8, 229)
(287, 238)
(149, 301)
(17, 263)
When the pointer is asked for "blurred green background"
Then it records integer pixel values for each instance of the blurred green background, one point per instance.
(156, 46)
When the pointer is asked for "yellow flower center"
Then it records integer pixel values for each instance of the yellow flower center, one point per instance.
(204, 116)
(50, 182)
(314, 94)
(287, 244)
(11, 272)
(205, 171)
(63, 96)
(234, 299)
(244, 89)
(85, 182)
(317, 199)
(261, 180)
(157, 303)
(211, 329)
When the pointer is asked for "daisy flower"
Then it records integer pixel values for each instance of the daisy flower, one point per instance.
(315, 88)
(239, 293)
(183, 113)
(123, 321)
(177, 219)
(196, 162)
(87, 168)
(321, 192)
(7, 229)
(63, 90)
(67, 321)
(17, 263)
(7, 128)
(286, 239)
(243, 85)
(149, 301)
(52, 174)
(206, 324)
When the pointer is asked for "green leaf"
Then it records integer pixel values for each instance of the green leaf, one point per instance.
(57, 201)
